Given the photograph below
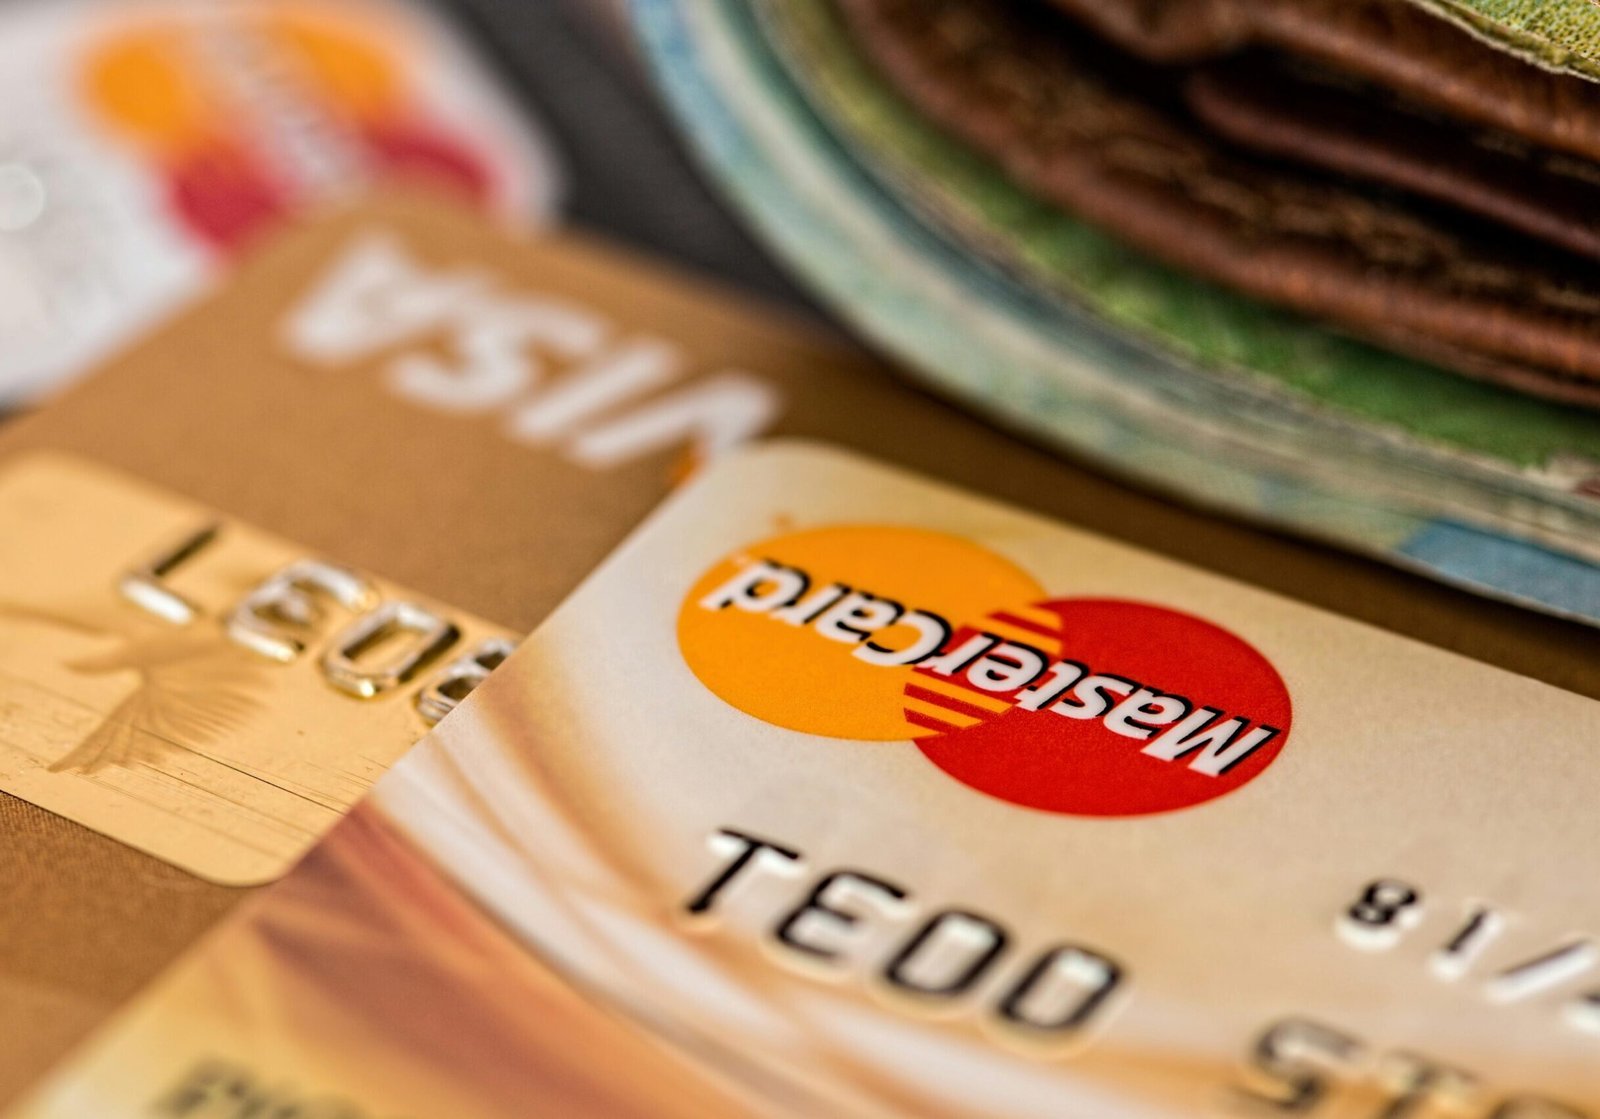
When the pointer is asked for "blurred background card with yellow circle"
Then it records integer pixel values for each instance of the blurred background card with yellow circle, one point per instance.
(145, 146)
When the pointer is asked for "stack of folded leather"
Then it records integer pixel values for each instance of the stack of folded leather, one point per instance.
(1364, 162)
(1331, 265)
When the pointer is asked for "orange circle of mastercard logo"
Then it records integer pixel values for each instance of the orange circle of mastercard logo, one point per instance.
(1081, 706)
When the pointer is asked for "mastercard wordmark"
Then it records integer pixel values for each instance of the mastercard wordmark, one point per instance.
(1088, 707)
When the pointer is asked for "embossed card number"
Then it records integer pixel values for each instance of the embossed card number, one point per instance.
(382, 649)
(196, 688)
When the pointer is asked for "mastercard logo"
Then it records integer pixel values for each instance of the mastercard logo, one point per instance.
(1078, 706)
(248, 112)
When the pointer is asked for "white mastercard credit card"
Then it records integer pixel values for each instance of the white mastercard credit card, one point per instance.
(866, 796)
(145, 145)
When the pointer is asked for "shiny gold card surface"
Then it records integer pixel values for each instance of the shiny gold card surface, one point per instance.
(347, 399)
(408, 391)
(196, 688)
(880, 798)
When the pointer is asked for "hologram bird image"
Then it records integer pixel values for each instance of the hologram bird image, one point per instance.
(195, 687)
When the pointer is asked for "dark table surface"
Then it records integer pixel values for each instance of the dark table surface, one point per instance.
(630, 178)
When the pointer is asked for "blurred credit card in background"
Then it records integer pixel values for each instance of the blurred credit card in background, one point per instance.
(145, 145)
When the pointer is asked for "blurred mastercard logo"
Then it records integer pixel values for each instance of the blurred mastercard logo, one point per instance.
(145, 143)
(248, 112)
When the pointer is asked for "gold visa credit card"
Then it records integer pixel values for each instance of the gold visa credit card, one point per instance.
(246, 565)
(869, 796)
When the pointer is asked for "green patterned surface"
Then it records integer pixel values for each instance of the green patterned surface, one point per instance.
(1558, 34)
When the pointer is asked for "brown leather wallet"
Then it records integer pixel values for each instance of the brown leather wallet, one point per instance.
(1334, 158)
(1391, 43)
(1281, 110)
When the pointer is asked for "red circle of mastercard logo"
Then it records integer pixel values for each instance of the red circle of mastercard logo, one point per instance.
(1140, 709)
(1080, 706)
